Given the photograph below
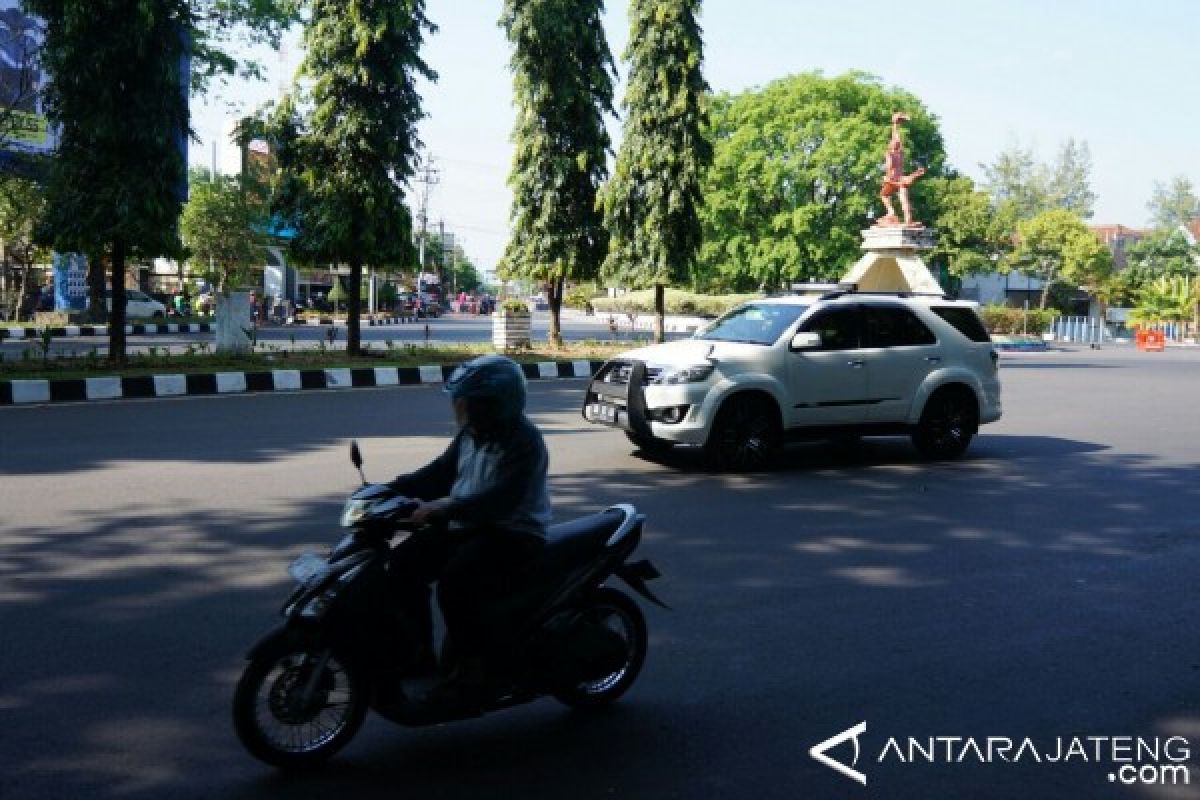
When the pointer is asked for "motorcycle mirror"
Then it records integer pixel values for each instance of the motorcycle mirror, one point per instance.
(356, 459)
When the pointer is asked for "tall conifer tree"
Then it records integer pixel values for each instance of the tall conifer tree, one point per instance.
(562, 87)
(347, 160)
(651, 205)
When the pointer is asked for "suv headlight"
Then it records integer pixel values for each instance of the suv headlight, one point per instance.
(354, 511)
(690, 374)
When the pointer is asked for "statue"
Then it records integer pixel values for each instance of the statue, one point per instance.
(894, 179)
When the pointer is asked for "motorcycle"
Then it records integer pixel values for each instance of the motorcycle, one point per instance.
(308, 685)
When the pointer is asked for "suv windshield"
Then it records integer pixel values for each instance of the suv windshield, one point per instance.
(754, 323)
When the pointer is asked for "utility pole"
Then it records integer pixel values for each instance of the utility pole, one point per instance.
(428, 178)
(442, 257)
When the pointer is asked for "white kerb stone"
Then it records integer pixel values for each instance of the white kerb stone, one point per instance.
(338, 379)
(31, 391)
(231, 382)
(431, 375)
(547, 369)
(285, 379)
(170, 385)
(107, 388)
(386, 376)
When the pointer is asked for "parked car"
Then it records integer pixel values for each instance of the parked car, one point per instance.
(811, 365)
(138, 305)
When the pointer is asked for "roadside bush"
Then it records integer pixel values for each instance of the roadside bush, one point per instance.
(580, 297)
(677, 301)
(1006, 320)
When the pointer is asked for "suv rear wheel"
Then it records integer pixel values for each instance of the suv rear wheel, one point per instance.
(947, 424)
(746, 434)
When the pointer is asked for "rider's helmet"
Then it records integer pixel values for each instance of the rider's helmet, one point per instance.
(493, 387)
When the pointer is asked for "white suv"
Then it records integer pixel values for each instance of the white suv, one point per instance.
(836, 364)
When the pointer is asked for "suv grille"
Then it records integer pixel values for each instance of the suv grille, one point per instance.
(620, 371)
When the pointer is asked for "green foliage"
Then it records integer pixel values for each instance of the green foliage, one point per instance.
(562, 86)
(580, 296)
(796, 173)
(1167, 299)
(1166, 251)
(1016, 180)
(1057, 246)
(219, 29)
(1173, 204)
(514, 307)
(651, 204)
(346, 160)
(1006, 320)
(220, 225)
(972, 235)
(677, 302)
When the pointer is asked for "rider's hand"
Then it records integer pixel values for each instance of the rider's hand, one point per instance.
(428, 512)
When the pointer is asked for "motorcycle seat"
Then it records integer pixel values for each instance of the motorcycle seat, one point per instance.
(582, 538)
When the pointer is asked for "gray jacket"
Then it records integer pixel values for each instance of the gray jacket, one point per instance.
(498, 481)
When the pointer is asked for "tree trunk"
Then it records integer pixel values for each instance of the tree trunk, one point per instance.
(556, 294)
(1047, 282)
(354, 309)
(660, 313)
(23, 295)
(116, 319)
(97, 308)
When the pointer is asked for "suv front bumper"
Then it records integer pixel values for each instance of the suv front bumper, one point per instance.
(641, 409)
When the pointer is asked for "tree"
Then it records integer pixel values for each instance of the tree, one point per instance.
(1165, 252)
(117, 93)
(22, 205)
(221, 227)
(1167, 299)
(562, 86)
(346, 160)
(1173, 204)
(1068, 179)
(973, 235)
(1057, 246)
(651, 204)
(796, 173)
(1015, 177)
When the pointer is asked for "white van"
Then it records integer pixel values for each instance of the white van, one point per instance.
(138, 305)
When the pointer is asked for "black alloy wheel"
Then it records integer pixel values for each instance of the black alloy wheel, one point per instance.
(746, 435)
(947, 425)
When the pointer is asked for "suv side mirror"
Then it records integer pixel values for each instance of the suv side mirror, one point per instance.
(806, 340)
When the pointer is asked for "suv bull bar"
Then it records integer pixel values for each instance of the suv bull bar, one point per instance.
(618, 405)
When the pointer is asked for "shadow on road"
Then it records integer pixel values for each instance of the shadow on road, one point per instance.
(851, 580)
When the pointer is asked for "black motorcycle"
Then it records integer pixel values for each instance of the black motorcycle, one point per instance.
(308, 684)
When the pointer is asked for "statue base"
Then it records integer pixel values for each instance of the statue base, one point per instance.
(892, 262)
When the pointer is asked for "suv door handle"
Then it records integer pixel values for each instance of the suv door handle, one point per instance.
(858, 362)
(934, 359)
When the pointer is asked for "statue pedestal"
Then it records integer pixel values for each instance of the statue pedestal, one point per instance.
(893, 263)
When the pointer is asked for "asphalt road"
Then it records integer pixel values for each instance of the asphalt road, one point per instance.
(1043, 587)
(443, 330)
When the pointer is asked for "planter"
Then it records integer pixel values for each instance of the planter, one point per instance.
(510, 330)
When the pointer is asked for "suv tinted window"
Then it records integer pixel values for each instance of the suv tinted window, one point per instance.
(965, 321)
(892, 326)
(838, 328)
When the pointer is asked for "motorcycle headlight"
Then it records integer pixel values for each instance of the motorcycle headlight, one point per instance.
(690, 374)
(354, 511)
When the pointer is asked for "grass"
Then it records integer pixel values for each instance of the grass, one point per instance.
(269, 357)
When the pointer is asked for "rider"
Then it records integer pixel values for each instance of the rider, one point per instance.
(486, 505)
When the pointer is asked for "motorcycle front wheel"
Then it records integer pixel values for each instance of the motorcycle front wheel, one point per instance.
(297, 705)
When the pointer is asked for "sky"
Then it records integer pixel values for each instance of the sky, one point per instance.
(995, 73)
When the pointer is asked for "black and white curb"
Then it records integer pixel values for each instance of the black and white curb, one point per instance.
(149, 386)
(370, 323)
(62, 331)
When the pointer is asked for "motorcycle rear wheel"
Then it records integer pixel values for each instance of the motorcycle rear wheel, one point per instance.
(621, 614)
(277, 725)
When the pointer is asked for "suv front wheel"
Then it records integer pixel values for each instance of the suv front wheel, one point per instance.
(947, 424)
(746, 435)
